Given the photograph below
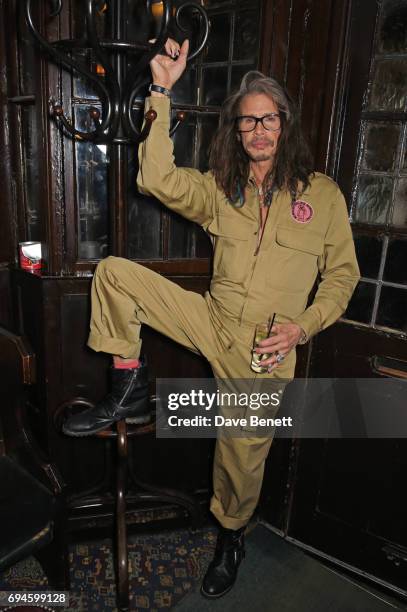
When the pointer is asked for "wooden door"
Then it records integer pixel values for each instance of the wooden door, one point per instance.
(349, 502)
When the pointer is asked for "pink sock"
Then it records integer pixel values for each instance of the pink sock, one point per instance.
(129, 364)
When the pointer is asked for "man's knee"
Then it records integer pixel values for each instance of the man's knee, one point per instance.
(115, 266)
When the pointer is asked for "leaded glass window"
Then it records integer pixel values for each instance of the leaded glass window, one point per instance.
(379, 204)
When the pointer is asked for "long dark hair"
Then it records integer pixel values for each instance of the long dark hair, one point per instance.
(229, 162)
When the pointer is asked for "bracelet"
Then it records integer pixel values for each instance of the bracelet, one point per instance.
(303, 338)
(159, 89)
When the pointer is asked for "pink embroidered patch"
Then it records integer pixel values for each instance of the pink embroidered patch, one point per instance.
(301, 211)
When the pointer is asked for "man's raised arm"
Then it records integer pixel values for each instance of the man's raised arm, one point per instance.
(184, 190)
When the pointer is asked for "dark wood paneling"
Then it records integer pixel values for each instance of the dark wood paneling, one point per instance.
(8, 250)
(349, 501)
(302, 46)
(358, 53)
(6, 311)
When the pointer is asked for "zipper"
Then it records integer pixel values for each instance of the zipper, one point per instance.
(129, 388)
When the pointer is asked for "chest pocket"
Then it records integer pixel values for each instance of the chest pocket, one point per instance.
(230, 239)
(294, 259)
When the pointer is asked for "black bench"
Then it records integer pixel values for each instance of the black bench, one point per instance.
(32, 504)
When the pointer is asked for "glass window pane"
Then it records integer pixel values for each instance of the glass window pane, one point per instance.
(368, 252)
(187, 239)
(144, 226)
(246, 40)
(182, 233)
(395, 269)
(404, 162)
(208, 125)
(29, 56)
(203, 243)
(32, 135)
(140, 24)
(238, 73)
(389, 90)
(380, 146)
(182, 239)
(400, 204)
(82, 87)
(142, 89)
(91, 192)
(218, 40)
(184, 139)
(32, 146)
(214, 84)
(144, 229)
(79, 23)
(185, 90)
(393, 308)
(214, 3)
(373, 199)
(393, 29)
(361, 304)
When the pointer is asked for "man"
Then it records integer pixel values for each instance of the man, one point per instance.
(274, 225)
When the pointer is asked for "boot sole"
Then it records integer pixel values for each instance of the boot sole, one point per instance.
(130, 420)
(138, 420)
(209, 596)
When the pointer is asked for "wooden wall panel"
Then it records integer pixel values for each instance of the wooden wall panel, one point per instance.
(8, 227)
(302, 46)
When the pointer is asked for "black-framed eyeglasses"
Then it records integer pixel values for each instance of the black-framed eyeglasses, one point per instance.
(248, 123)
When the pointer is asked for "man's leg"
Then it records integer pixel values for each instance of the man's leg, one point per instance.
(238, 468)
(125, 295)
(237, 478)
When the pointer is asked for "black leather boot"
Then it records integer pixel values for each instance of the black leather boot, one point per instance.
(128, 399)
(222, 571)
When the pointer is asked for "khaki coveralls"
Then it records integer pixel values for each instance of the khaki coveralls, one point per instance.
(248, 285)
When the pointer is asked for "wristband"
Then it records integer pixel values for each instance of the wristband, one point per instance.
(159, 89)
(303, 338)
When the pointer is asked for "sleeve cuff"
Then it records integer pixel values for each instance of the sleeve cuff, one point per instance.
(309, 324)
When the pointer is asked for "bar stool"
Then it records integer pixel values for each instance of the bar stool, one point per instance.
(124, 432)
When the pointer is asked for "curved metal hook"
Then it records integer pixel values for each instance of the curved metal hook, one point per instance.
(130, 94)
(155, 46)
(149, 117)
(111, 94)
(68, 63)
(113, 103)
(181, 116)
(58, 7)
(58, 113)
(199, 9)
(129, 89)
(130, 126)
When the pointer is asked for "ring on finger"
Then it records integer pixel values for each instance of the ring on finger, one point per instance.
(279, 357)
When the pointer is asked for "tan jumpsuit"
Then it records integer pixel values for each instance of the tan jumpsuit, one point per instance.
(247, 286)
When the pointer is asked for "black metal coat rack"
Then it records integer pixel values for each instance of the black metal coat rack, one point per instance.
(117, 87)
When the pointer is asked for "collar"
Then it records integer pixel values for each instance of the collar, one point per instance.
(251, 181)
(268, 192)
